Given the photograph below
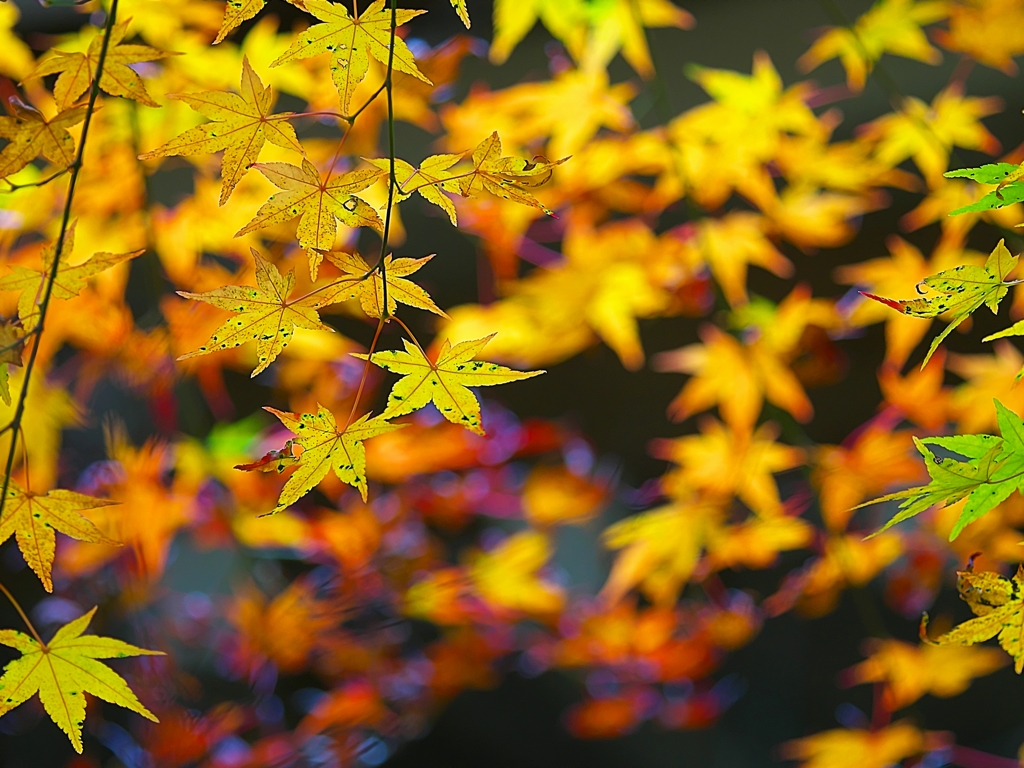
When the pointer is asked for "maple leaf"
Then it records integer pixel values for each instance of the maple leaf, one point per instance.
(65, 669)
(927, 132)
(878, 458)
(368, 286)
(911, 671)
(507, 577)
(264, 314)
(728, 245)
(507, 177)
(960, 291)
(237, 11)
(34, 517)
(856, 747)
(460, 8)
(12, 339)
(987, 377)
(70, 279)
(895, 274)
(324, 447)
(426, 179)
(1007, 178)
(319, 203)
(240, 126)
(444, 382)
(989, 31)
(659, 549)
(119, 79)
(998, 605)
(993, 470)
(351, 41)
(726, 462)
(599, 31)
(891, 26)
(30, 135)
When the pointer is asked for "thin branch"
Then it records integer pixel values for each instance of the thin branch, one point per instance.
(24, 616)
(42, 182)
(352, 118)
(392, 180)
(51, 278)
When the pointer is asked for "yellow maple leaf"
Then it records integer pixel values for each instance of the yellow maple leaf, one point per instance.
(998, 605)
(264, 314)
(989, 31)
(240, 124)
(911, 671)
(987, 377)
(351, 41)
(891, 26)
(728, 245)
(237, 11)
(510, 178)
(325, 447)
(65, 669)
(878, 458)
(12, 340)
(724, 462)
(119, 79)
(927, 132)
(17, 60)
(659, 549)
(898, 275)
(368, 286)
(597, 30)
(34, 517)
(70, 278)
(506, 578)
(856, 747)
(735, 376)
(30, 135)
(444, 382)
(460, 8)
(426, 179)
(320, 204)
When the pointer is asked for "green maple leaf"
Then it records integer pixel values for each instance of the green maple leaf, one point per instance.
(1006, 176)
(993, 470)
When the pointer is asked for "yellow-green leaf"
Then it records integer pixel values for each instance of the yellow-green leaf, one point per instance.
(351, 41)
(64, 670)
(239, 125)
(264, 314)
(368, 286)
(34, 517)
(325, 447)
(445, 382)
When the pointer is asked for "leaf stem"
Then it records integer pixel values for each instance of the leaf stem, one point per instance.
(21, 612)
(51, 278)
(412, 335)
(24, 456)
(292, 115)
(366, 372)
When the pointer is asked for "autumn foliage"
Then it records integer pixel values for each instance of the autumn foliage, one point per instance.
(220, 354)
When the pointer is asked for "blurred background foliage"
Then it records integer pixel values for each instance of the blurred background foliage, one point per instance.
(318, 638)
